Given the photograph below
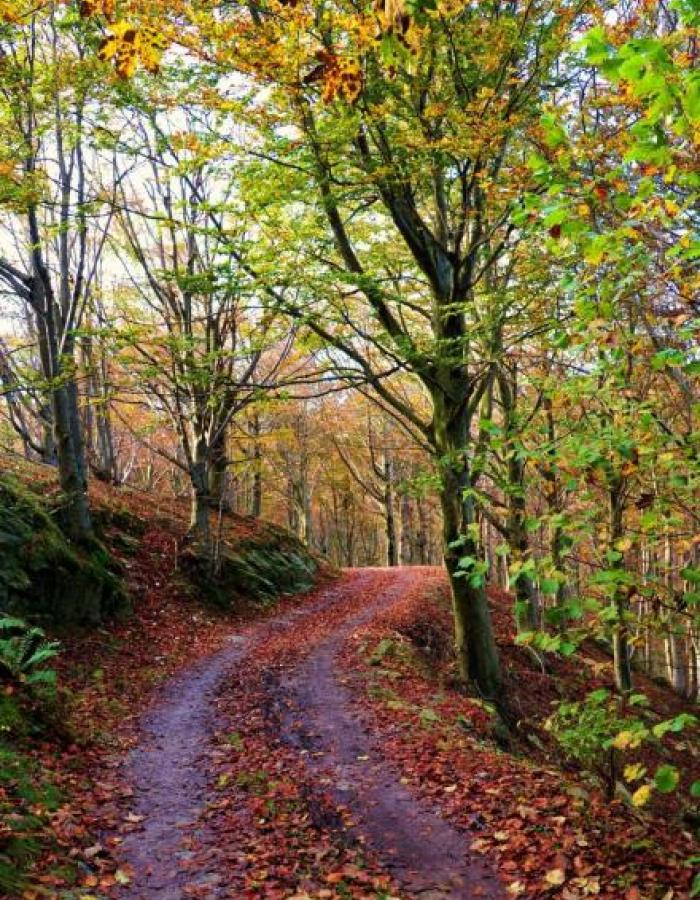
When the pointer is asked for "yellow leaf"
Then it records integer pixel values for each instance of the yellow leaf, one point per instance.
(108, 48)
(635, 772)
(641, 795)
(121, 877)
(555, 877)
(623, 740)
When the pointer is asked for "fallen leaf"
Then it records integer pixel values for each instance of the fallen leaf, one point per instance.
(555, 877)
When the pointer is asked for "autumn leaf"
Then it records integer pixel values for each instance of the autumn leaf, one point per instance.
(634, 772)
(555, 877)
(642, 795)
(128, 45)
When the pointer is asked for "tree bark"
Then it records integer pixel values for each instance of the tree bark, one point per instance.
(76, 511)
(475, 644)
(392, 537)
(217, 474)
(620, 637)
(200, 531)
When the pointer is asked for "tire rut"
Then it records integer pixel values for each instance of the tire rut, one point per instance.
(169, 771)
(425, 854)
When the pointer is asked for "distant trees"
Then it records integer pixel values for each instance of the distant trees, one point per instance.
(192, 335)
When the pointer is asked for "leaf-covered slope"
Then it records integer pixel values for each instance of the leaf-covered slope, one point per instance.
(42, 574)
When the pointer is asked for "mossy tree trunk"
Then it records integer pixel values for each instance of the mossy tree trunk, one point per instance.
(475, 644)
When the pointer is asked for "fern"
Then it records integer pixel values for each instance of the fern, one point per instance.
(9, 623)
(24, 651)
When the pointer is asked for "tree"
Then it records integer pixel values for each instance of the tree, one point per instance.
(417, 175)
(204, 352)
(48, 89)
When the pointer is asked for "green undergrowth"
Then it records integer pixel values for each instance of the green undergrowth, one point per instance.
(42, 575)
(260, 569)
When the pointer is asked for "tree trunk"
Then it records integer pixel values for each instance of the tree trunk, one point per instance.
(526, 606)
(76, 512)
(217, 474)
(675, 658)
(527, 614)
(620, 638)
(257, 492)
(98, 428)
(475, 645)
(407, 530)
(67, 430)
(423, 550)
(392, 537)
(200, 506)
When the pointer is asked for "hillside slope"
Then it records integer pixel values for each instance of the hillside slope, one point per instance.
(128, 615)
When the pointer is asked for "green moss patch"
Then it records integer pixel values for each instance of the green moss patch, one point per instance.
(42, 575)
(261, 569)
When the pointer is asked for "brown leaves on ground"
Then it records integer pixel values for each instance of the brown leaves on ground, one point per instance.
(550, 835)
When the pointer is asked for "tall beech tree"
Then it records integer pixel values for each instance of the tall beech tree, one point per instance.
(204, 350)
(415, 155)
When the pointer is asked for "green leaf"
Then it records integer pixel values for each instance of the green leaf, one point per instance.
(695, 887)
(666, 779)
(549, 586)
(666, 358)
(692, 574)
(695, 789)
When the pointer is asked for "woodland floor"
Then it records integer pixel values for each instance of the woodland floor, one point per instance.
(321, 749)
(313, 756)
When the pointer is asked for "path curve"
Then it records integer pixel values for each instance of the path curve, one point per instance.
(426, 855)
(169, 774)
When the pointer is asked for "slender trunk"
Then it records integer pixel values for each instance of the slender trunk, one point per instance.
(423, 550)
(98, 428)
(200, 506)
(392, 538)
(407, 530)
(257, 493)
(308, 516)
(620, 637)
(217, 474)
(257, 488)
(76, 511)
(673, 642)
(67, 431)
(553, 493)
(675, 658)
(526, 605)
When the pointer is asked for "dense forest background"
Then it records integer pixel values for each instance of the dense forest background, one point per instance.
(407, 281)
(291, 286)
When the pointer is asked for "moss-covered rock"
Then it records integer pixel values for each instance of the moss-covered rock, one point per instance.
(42, 575)
(260, 569)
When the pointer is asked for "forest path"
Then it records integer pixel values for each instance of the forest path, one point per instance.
(174, 854)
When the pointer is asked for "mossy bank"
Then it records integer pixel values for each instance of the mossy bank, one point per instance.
(42, 574)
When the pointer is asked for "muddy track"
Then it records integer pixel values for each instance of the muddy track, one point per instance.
(168, 773)
(425, 854)
(168, 770)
